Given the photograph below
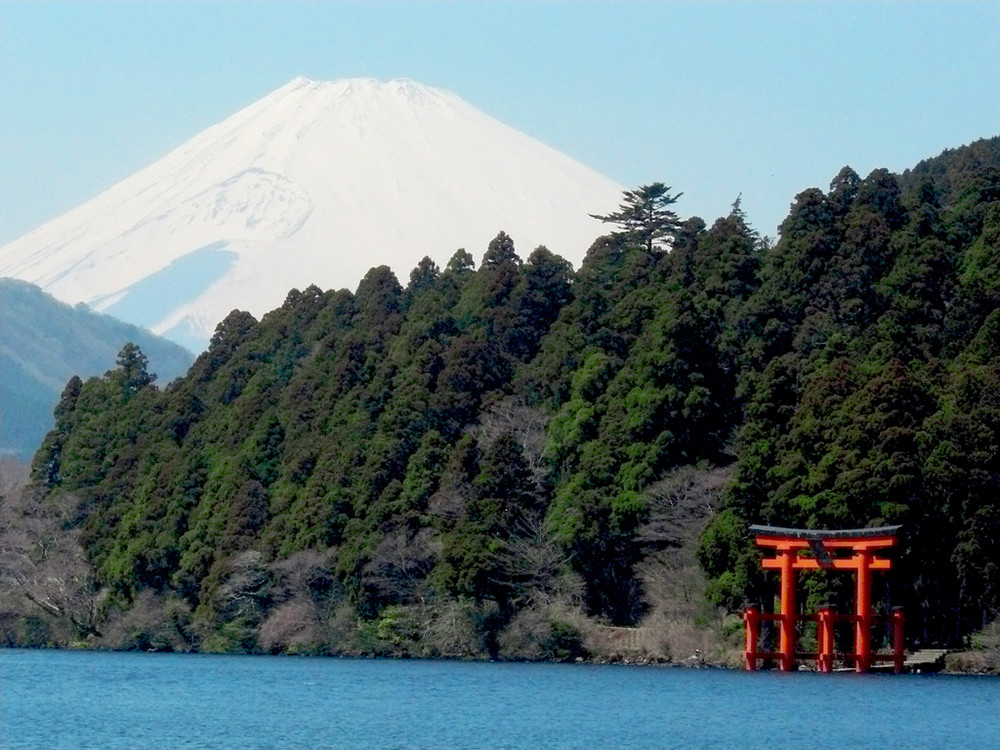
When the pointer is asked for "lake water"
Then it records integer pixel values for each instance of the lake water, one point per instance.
(70, 699)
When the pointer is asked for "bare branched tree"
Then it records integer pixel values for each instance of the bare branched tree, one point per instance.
(510, 415)
(672, 581)
(449, 502)
(13, 479)
(304, 591)
(535, 566)
(306, 575)
(240, 593)
(399, 564)
(43, 567)
(680, 505)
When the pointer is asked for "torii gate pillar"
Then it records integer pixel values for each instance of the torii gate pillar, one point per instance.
(789, 612)
(819, 548)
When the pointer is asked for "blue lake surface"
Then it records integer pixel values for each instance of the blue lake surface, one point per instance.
(72, 699)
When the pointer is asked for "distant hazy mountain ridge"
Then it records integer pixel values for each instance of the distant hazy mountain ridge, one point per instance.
(43, 343)
(313, 184)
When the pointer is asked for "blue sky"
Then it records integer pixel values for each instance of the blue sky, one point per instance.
(716, 99)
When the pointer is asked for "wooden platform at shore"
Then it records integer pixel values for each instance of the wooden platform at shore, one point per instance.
(926, 660)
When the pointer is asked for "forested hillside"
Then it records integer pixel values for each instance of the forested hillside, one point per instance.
(465, 459)
(871, 364)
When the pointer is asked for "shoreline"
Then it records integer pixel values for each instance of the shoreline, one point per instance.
(970, 663)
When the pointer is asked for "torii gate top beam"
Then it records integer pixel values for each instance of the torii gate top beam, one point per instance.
(856, 539)
(823, 534)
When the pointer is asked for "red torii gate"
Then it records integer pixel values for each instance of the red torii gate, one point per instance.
(822, 547)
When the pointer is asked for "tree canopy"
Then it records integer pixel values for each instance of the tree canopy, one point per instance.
(644, 215)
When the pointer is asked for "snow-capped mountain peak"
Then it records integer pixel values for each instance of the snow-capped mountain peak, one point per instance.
(313, 184)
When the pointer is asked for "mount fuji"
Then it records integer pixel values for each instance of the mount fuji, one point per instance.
(313, 184)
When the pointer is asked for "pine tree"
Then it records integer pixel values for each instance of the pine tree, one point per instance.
(644, 215)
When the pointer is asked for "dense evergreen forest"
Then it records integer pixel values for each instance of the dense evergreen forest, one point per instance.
(463, 460)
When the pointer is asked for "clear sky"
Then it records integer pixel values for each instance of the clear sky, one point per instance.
(716, 99)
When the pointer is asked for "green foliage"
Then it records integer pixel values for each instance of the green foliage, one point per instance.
(644, 216)
(455, 446)
(871, 398)
(131, 374)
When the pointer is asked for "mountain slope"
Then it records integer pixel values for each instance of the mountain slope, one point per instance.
(43, 343)
(313, 184)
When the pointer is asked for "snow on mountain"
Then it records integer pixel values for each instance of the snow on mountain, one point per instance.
(314, 184)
